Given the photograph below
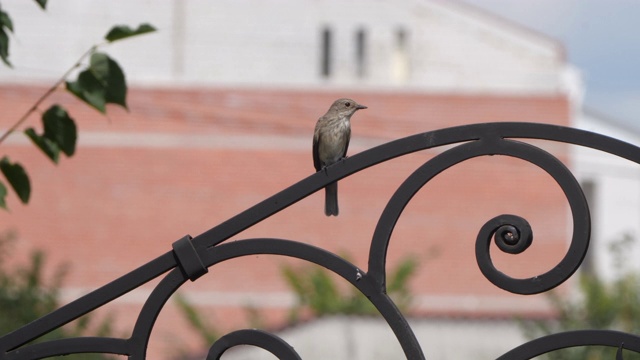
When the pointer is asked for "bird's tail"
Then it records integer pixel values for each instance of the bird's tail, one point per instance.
(331, 199)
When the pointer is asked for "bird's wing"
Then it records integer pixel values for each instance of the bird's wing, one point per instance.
(316, 156)
(346, 145)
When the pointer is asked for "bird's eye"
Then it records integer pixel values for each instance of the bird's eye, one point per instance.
(347, 104)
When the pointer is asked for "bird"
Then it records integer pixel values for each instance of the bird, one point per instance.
(330, 143)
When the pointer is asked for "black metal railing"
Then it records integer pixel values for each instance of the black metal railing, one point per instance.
(190, 258)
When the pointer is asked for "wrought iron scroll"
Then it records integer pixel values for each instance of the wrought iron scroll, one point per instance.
(190, 258)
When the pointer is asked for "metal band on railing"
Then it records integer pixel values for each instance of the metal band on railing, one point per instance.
(188, 258)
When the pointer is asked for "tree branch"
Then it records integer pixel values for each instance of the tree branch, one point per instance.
(47, 93)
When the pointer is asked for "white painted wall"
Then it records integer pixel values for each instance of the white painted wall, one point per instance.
(616, 207)
(450, 47)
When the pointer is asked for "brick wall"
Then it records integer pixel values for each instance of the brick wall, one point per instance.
(182, 161)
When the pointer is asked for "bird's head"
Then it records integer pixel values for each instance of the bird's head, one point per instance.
(345, 107)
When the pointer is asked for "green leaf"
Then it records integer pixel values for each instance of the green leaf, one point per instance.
(109, 73)
(60, 133)
(5, 20)
(60, 128)
(3, 195)
(122, 32)
(5, 23)
(4, 47)
(117, 89)
(103, 82)
(17, 177)
(42, 3)
(47, 146)
(99, 67)
(89, 89)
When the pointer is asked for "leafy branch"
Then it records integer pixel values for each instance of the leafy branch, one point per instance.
(101, 82)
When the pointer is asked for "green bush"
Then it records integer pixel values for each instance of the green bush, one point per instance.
(25, 295)
(599, 304)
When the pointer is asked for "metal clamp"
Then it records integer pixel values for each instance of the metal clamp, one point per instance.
(188, 258)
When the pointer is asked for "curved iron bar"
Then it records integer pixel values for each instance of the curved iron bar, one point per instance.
(262, 339)
(70, 346)
(549, 343)
(136, 346)
(328, 260)
(190, 258)
(449, 158)
(87, 303)
(579, 241)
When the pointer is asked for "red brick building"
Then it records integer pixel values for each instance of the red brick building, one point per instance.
(182, 161)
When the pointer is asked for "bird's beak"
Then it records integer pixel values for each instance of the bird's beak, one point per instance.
(360, 107)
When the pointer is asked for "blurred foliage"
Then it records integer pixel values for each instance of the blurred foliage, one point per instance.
(599, 304)
(201, 325)
(25, 295)
(316, 290)
(196, 320)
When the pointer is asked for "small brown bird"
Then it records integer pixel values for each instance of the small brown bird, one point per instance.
(330, 143)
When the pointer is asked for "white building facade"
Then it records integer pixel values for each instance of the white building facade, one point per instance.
(412, 44)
